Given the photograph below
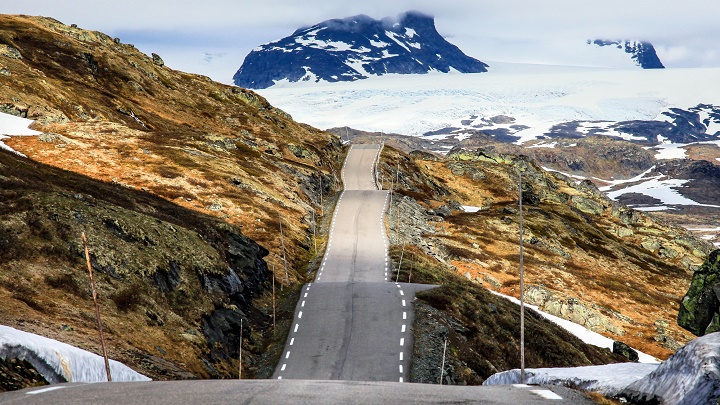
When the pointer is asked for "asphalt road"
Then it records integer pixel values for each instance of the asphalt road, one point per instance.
(287, 392)
(350, 342)
(352, 323)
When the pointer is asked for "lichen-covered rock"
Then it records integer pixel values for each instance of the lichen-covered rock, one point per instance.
(587, 205)
(700, 308)
(625, 351)
(157, 60)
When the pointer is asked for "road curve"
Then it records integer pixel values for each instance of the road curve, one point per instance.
(351, 323)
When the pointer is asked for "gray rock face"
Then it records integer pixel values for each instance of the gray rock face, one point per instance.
(700, 308)
(690, 376)
(157, 60)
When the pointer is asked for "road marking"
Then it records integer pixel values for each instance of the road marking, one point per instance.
(287, 355)
(305, 295)
(280, 378)
(404, 315)
(401, 379)
(300, 315)
(400, 368)
(521, 386)
(40, 391)
(283, 367)
(401, 292)
(547, 394)
(296, 327)
(303, 304)
(403, 302)
(401, 356)
(402, 330)
(402, 341)
(292, 341)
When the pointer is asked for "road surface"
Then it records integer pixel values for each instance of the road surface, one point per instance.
(352, 323)
(350, 341)
(287, 392)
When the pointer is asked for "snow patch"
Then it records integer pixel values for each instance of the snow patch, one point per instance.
(11, 125)
(60, 362)
(608, 379)
(581, 332)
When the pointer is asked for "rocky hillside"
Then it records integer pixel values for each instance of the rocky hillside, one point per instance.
(181, 184)
(588, 259)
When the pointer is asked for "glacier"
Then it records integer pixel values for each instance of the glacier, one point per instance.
(60, 362)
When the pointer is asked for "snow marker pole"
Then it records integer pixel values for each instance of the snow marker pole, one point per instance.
(97, 308)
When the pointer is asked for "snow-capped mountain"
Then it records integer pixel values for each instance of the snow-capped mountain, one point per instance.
(355, 48)
(641, 53)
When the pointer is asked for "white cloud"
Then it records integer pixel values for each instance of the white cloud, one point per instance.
(528, 30)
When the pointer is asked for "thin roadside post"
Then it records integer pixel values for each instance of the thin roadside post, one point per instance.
(97, 308)
(282, 242)
(522, 288)
(442, 367)
(241, 353)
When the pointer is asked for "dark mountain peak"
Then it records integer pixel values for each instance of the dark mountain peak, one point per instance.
(355, 48)
(643, 53)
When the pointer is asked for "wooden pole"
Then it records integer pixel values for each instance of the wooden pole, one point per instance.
(97, 308)
(282, 241)
(273, 276)
(321, 196)
(241, 342)
(397, 210)
(314, 229)
(442, 368)
(412, 260)
(522, 290)
(402, 252)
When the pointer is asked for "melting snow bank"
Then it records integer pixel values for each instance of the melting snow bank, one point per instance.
(690, 376)
(59, 362)
(608, 380)
(582, 333)
(11, 125)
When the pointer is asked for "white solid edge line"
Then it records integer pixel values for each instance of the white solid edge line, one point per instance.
(40, 391)
(547, 394)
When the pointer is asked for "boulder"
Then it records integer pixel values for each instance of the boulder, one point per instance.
(700, 308)
(157, 60)
(625, 351)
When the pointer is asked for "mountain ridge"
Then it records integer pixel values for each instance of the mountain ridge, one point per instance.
(355, 48)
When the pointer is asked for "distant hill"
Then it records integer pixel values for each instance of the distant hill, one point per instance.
(642, 53)
(355, 48)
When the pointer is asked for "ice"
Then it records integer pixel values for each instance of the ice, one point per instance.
(581, 332)
(470, 208)
(537, 96)
(60, 362)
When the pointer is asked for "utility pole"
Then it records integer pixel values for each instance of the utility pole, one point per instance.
(97, 308)
(522, 288)
(442, 368)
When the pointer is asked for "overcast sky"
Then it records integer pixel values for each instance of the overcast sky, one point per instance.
(212, 37)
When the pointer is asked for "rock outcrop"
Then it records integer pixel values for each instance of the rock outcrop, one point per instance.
(700, 308)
